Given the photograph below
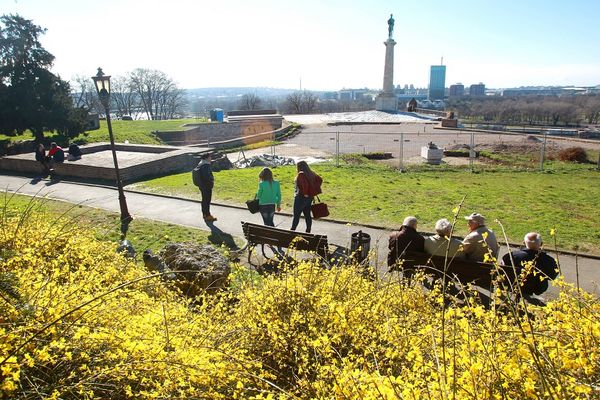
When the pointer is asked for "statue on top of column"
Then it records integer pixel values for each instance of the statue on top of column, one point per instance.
(390, 26)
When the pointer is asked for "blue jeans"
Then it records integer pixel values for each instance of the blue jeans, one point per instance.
(302, 206)
(267, 212)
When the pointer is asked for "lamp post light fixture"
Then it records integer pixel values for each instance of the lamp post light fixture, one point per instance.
(102, 83)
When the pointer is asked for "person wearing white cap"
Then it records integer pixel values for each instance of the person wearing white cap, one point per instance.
(481, 240)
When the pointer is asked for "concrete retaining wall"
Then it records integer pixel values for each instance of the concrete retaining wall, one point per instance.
(153, 161)
(217, 132)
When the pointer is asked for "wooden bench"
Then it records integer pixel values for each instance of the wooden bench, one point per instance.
(457, 269)
(257, 234)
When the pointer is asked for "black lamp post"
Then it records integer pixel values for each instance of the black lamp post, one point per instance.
(102, 83)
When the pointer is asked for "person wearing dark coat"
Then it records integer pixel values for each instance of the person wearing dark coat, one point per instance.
(56, 153)
(207, 182)
(74, 152)
(543, 266)
(40, 156)
(405, 239)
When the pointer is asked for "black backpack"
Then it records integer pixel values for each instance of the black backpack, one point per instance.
(197, 176)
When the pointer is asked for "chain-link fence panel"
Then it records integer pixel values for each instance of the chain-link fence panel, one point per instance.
(418, 145)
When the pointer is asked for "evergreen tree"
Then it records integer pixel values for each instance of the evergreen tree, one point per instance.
(32, 97)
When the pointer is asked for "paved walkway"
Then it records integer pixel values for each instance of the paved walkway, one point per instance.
(187, 212)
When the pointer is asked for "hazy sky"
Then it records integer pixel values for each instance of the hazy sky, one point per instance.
(327, 44)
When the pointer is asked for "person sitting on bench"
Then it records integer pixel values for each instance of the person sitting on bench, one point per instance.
(74, 152)
(480, 241)
(544, 266)
(56, 153)
(437, 244)
(405, 239)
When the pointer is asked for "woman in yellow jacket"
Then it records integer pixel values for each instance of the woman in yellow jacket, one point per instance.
(268, 195)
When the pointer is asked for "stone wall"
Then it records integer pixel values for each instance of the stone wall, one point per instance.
(159, 160)
(249, 139)
(218, 132)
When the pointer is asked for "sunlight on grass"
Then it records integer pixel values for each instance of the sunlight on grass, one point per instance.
(375, 194)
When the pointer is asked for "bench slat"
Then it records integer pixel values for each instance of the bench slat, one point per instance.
(261, 234)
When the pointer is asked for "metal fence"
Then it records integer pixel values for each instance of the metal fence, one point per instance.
(405, 146)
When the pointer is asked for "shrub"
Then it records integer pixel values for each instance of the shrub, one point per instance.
(353, 158)
(573, 154)
(377, 155)
(86, 323)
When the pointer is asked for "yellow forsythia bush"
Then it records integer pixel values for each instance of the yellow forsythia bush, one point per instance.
(79, 321)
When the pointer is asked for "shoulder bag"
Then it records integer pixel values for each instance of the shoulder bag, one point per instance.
(319, 210)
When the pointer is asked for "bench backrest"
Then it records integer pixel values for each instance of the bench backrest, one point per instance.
(478, 273)
(261, 234)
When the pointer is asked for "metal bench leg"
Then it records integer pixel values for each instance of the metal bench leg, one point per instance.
(262, 248)
(250, 249)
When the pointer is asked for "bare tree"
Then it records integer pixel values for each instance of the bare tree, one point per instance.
(173, 103)
(250, 101)
(303, 102)
(84, 94)
(126, 101)
(294, 103)
(159, 95)
(591, 109)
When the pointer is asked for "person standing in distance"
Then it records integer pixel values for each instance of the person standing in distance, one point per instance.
(207, 182)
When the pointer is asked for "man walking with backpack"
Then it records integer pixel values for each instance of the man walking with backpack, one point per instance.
(204, 179)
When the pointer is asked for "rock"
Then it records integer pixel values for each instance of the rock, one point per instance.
(197, 268)
(156, 264)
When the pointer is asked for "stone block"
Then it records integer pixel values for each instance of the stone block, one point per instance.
(433, 156)
(449, 123)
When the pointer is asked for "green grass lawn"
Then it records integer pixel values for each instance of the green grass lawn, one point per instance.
(143, 233)
(371, 193)
(139, 131)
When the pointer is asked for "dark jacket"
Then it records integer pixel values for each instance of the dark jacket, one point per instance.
(406, 239)
(40, 155)
(545, 266)
(74, 150)
(207, 180)
(57, 154)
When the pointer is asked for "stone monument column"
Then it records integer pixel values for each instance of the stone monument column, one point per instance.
(387, 100)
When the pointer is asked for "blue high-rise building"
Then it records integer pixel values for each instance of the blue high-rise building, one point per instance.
(437, 82)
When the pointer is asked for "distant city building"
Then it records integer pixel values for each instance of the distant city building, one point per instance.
(404, 98)
(330, 95)
(477, 89)
(346, 95)
(432, 105)
(547, 91)
(457, 90)
(353, 94)
(437, 82)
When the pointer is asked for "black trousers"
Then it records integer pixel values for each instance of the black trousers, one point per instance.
(206, 198)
